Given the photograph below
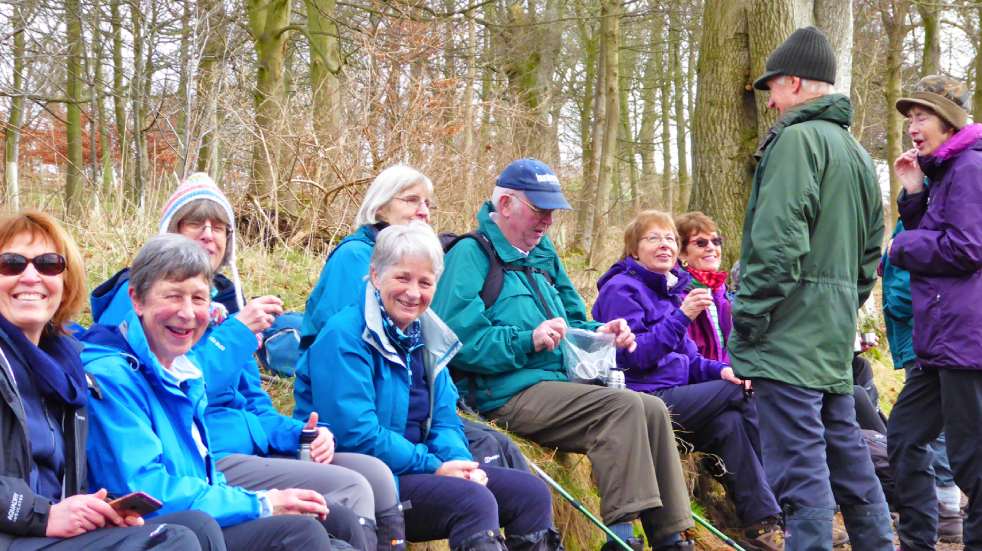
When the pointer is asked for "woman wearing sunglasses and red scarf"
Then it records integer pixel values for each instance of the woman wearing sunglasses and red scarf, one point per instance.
(44, 502)
(700, 253)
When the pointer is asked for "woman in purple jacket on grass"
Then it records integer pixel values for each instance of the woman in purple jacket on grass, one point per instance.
(941, 207)
(708, 402)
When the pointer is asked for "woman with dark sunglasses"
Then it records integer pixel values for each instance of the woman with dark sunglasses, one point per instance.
(43, 488)
(712, 408)
(701, 253)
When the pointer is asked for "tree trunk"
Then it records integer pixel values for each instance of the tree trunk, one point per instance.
(74, 175)
(680, 89)
(587, 99)
(182, 128)
(15, 118)
(136, 185)
(893, 14)
(835, 18)
(724, 124)
(646, 130)
(665, 108)
(325, 68)
(930, 23)
(769, 23)
(211, 15)
(610, 13)
(268, 20)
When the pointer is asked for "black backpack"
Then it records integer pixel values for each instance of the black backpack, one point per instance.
(496, 269)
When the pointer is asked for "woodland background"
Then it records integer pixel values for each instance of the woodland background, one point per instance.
(294, 106)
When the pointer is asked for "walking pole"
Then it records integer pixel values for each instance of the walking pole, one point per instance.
(582, 508)
(579, 506)
(723, 537)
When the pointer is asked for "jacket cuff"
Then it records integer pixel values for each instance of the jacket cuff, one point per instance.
(526, 343)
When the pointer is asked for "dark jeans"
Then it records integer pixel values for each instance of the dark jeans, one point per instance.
(815, 457)
(185, 531)
(457, 509)
(933, 400)
(716, 418)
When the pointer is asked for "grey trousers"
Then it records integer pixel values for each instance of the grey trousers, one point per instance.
(627, 436)
(359, 482)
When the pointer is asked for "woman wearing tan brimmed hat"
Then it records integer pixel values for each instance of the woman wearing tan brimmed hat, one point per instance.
(941, 209)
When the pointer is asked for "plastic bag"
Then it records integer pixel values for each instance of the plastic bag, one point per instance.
(589, 356)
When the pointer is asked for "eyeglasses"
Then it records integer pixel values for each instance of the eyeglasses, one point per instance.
(199, 227)
(658, 238)
(541, 213)
(702, 242)
(49, 264)
(417, 201)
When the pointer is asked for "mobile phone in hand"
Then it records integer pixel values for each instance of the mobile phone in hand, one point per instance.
(135, 504)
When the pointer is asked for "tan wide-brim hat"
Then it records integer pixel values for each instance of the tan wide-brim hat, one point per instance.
(945, 96)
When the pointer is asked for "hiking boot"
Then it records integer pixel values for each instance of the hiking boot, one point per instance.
(763, 536)
(950, 528)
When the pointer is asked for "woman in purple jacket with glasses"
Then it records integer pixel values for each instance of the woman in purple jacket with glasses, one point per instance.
(708, 402)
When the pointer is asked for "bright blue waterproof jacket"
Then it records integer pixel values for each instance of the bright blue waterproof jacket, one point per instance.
(140, 430)
(240, 414)
(898, 310)
(341, 283)
(365, 393)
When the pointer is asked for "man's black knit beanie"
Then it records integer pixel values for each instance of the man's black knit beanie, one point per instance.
(805, 54)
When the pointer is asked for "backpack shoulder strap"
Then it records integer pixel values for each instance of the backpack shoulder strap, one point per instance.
(495, 277)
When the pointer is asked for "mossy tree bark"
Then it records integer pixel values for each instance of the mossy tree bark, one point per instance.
(665, 110)
(211, 14)
(930, 24)
(325, 69)
(588, 100)
(680, 90)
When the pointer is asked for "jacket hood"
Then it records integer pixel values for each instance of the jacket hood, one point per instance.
(653, 280)
(200, 187)
(968, 138)
(126, 340)
(103, 295)
(834, 108)
(104, 340)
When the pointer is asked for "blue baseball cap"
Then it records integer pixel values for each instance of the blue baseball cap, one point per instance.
(537, 181)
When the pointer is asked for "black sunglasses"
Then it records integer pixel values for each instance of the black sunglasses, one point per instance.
(702, 242)
(49, 264)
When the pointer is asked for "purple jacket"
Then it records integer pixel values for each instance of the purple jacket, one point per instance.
(666, 357)
(942, 249)
(701, 330)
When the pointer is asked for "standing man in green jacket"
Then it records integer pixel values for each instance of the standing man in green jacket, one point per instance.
(511, 365)
(811, 242)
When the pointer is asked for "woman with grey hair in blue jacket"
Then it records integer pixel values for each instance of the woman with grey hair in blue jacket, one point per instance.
(389, 394)
(147, 429)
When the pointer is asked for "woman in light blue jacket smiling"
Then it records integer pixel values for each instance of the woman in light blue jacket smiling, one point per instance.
(147, 430)
(389, 394)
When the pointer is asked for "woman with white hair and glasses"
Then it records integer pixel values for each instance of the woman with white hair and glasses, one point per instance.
(398, 195)
(389, 394)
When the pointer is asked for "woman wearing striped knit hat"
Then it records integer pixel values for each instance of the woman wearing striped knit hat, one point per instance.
(254, 445)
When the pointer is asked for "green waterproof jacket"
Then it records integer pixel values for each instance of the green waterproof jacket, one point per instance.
(497, 360)
(811, 243)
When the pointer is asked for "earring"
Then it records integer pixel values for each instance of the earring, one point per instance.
(685, 263)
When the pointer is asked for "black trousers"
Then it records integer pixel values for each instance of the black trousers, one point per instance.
(933, 400)
(191, 531)
(185, 531)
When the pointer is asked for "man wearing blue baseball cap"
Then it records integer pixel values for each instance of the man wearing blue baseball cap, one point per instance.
(511, 365)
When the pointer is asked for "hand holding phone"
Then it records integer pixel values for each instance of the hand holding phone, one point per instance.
(135, 504)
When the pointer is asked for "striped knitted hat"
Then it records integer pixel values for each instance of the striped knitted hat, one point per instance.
(200, 187)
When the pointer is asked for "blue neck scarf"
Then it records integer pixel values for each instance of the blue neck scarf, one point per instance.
(407, 341)
(54, 364)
